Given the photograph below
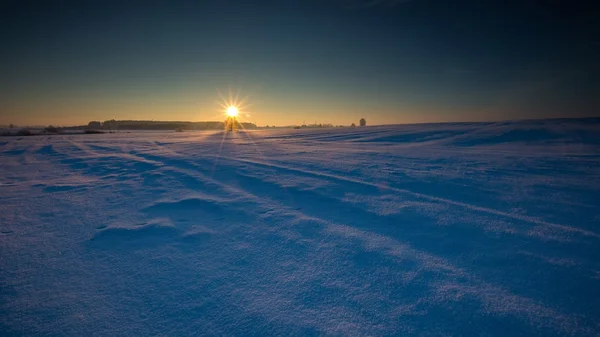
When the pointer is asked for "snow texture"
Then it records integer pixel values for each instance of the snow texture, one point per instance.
(441, 229)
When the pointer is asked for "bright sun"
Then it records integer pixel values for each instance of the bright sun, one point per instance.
(232, 111)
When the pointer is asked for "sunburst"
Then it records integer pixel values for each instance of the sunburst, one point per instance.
(232, 111)
(233, 106)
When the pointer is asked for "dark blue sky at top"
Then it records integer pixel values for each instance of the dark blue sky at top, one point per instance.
(406, 60)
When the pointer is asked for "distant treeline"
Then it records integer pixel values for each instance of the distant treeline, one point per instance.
(157, 125)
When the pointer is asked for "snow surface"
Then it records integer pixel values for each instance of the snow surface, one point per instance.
(457, 229)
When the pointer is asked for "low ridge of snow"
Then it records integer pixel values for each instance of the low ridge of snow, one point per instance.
(460, 229)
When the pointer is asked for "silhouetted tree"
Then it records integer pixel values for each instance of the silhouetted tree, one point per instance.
(353, 125)
(51, 129)
(94, 125)
(11, 126)
(363, 122)
(168, 125)
(232, 124)
(111, 125)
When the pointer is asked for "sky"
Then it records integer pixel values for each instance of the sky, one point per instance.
(329, 61)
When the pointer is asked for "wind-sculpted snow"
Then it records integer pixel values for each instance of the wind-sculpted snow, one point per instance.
(439, 229)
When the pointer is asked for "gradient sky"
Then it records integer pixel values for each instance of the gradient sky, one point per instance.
(330, 61)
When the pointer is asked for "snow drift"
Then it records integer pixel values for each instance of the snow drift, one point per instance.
(464, 229)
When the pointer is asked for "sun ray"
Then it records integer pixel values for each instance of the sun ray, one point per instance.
(223, 99)
(218, 155)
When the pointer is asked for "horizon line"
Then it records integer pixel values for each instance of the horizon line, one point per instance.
(293, 125)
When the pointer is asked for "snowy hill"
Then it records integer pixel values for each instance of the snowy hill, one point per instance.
(459, 229)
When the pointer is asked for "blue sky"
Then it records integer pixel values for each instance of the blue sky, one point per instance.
(332, 61)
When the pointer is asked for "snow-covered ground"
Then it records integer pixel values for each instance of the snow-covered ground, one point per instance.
(470, 229)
